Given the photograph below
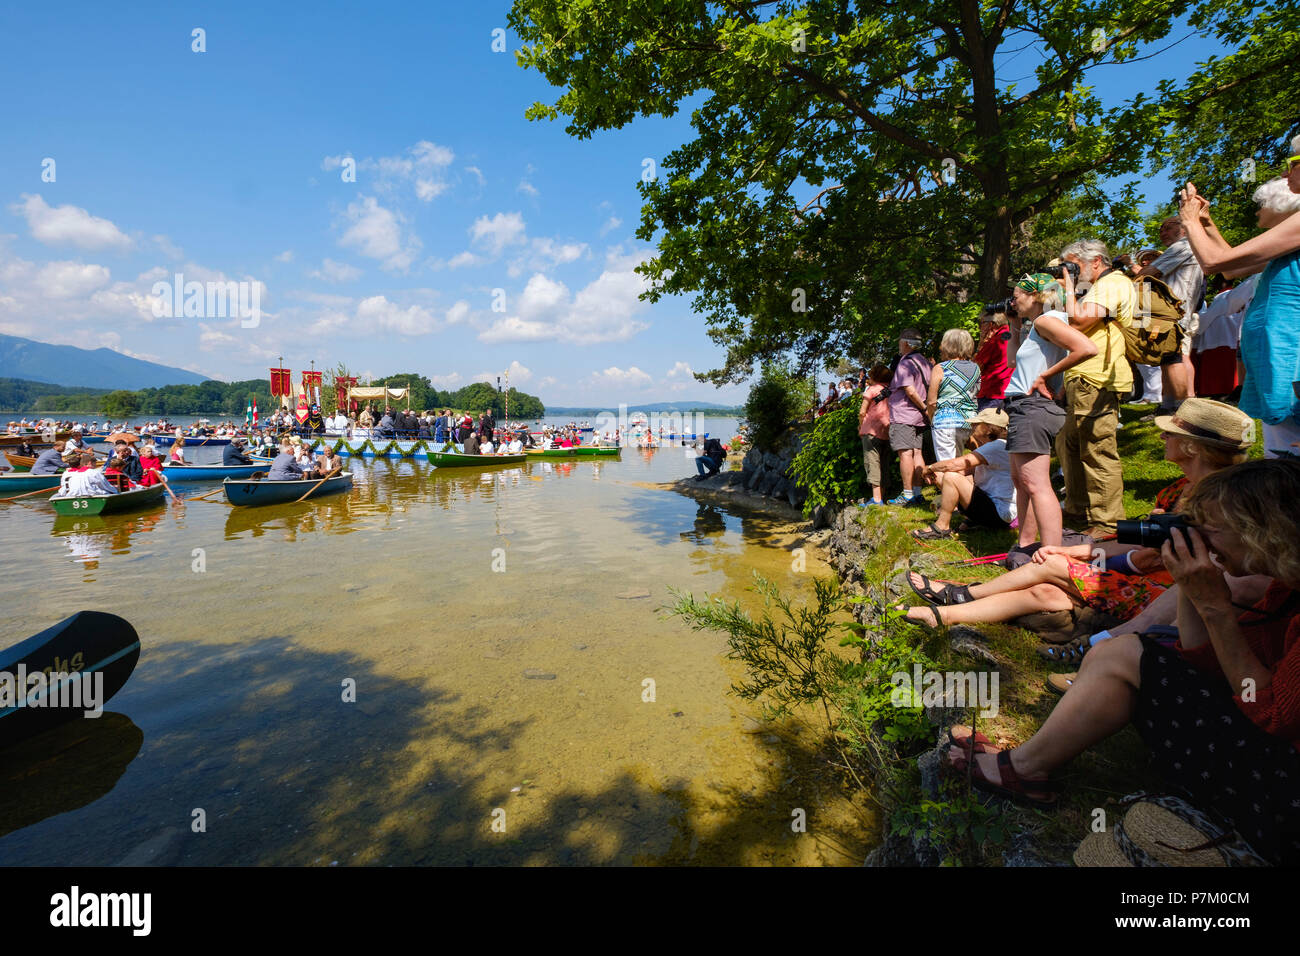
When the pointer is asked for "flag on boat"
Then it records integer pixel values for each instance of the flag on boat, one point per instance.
(254, 411)
(248, 415)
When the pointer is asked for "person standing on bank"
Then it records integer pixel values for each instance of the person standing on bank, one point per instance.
(950, 402)
(907, 392)
(1087, 445)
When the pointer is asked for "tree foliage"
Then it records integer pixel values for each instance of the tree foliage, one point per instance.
(853, 162)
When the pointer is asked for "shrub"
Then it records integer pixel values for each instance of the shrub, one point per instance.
(829, 465)
(777, 399)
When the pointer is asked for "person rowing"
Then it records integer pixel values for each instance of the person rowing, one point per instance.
(50, 461)
(234, 453)
(285, 467)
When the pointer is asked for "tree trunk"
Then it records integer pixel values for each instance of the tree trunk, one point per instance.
(995, 262)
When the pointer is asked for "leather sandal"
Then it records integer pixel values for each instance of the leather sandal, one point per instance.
(1041, 794)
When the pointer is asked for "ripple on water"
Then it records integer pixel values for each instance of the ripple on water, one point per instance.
(238, 694)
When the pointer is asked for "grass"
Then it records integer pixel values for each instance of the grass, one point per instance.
(1106, 772)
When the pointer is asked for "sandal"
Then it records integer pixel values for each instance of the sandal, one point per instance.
(1069, 653)
(932, 533)
(898, 613)
(1009, 784)
(950, 593)
(981, 745)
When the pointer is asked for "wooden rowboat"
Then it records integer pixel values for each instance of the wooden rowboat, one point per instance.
(582, 451)
(450, 458)
(211, 472)
(11, 485)
(109, 504)
(257, 492)
(20, 462)
(90, 645)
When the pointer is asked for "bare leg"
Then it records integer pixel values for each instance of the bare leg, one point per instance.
(1036, 480)
(954, 490)
(1100, 703)
(997, 607)
(1055, 571)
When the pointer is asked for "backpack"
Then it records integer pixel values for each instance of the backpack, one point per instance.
(1155, 331)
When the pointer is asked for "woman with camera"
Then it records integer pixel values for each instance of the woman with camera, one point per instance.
(1220, 711)
(1045, 346)
(1116, 579)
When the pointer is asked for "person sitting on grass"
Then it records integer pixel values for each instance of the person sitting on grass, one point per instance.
(1202, 438)
(1220, 711)
(978, 483)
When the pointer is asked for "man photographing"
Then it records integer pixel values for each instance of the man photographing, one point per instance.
(1087, 445)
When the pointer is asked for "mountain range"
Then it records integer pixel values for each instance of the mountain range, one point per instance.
(88, 368)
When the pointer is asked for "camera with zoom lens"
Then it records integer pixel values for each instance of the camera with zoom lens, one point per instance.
(1151, 531)
(1058, 272)
(1006, 306)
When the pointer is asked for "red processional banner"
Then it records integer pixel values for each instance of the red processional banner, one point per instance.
(280, 382)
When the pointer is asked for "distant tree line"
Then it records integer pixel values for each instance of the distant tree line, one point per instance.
(230, 400)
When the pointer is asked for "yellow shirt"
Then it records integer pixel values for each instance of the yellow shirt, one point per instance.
(1109, 368)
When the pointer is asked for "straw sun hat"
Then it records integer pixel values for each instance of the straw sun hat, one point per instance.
(1164, 830)
(1211, 422)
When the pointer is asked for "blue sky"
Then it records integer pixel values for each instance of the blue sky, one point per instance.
(229, 165)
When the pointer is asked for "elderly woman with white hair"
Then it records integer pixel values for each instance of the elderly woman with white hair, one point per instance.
(1270, 329)
(1215, 355)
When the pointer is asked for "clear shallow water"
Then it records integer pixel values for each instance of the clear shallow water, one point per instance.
(235, 707)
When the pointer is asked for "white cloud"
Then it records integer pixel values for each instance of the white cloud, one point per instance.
(376, 233)
(422, 167)
(518, 375)
(478, 174)
(605, 310)
(379, 314)
(332, 271)
(69, 225)
(527, 188)
(615, 377)
(463, 259)
(545, 253)
(168, 248)
(612, 223)
(459, 312)
(503, 229)
(70, 280)
(445, 382)
(547, 381)
(286, 256)
(679, 377)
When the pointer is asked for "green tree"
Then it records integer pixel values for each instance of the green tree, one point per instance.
(120, 404)
(852, 162)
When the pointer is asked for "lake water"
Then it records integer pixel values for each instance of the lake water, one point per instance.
(253, 620)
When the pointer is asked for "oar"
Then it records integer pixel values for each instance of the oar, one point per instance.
(38, 491)
(201, 497)
(333, 472)
(167, 488)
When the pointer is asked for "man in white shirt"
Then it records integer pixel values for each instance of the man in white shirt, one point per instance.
(515, 447)
(978, 483)
(91, 481)
(1178, 268)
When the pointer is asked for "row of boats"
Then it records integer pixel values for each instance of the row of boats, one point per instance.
(245, 485)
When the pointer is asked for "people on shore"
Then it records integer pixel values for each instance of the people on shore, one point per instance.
(978, 484)
(873, 430)
(950, 399)
(907, 406)
(1219, 711)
